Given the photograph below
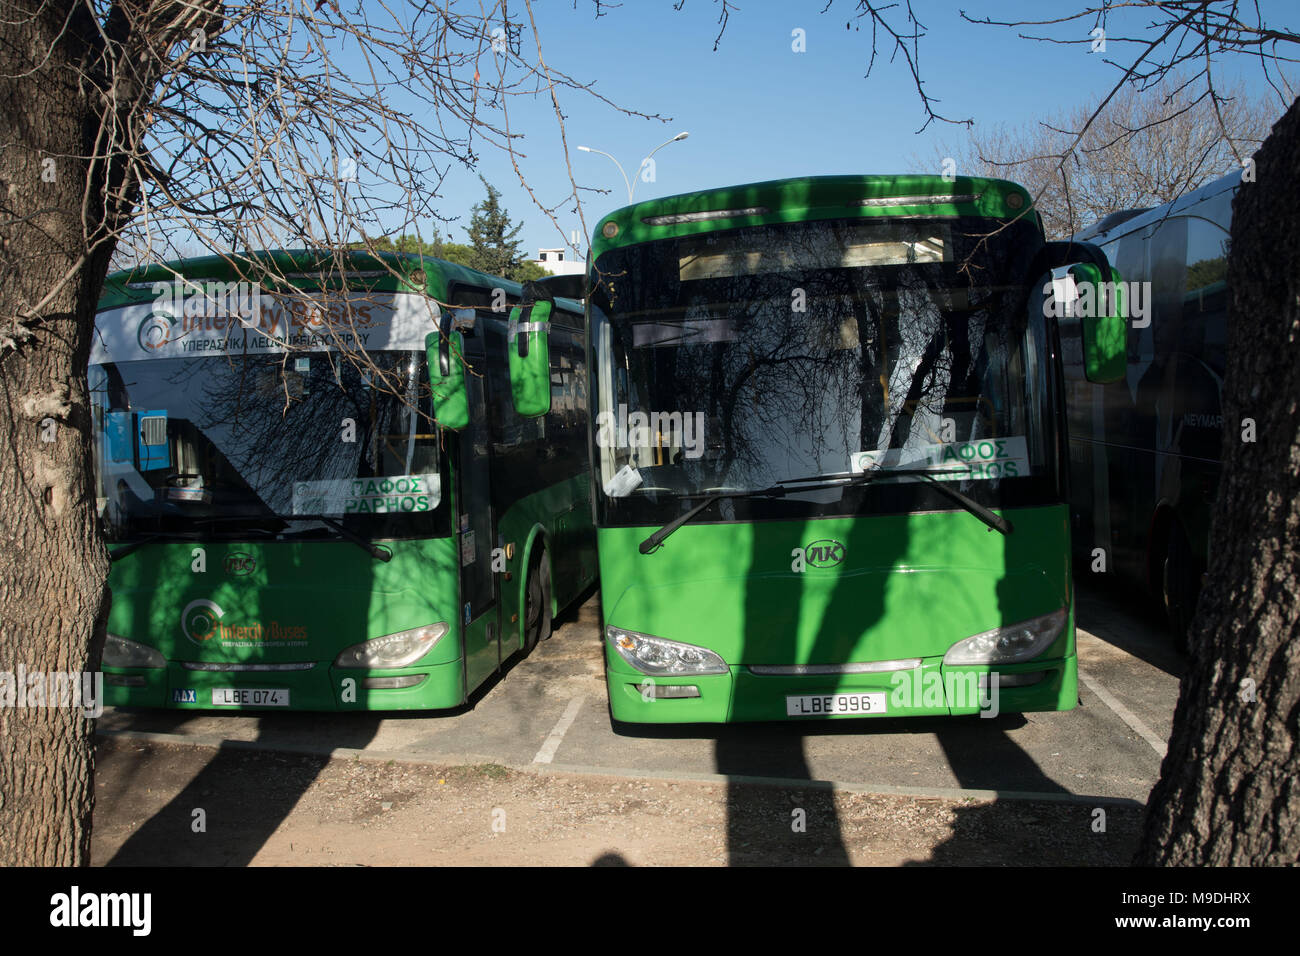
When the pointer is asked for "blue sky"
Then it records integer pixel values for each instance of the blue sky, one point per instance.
(757, 110)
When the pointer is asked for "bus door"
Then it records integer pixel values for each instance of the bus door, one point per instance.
(476, 525)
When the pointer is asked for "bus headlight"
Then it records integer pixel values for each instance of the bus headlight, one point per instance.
(1008, 644)
(119, 652)
(393, 650)
(654, 655)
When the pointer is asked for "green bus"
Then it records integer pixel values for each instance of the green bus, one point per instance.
(317, 492)
(829, 450)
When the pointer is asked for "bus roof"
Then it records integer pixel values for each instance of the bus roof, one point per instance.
(809, 198)
(302, 268)
(1118, 224)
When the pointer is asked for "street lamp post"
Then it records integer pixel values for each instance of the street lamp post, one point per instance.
(631, 184)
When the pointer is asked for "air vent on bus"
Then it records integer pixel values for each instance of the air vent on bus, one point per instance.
(223, 668)
(812, 670)
(153, 430)
(917, 200)
(702, 216)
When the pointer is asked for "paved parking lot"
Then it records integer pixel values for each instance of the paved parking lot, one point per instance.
(548, 712)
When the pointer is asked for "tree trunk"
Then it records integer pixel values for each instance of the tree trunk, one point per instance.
(1229, 789)
(53, 565)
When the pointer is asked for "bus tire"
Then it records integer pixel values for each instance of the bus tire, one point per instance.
(1179, 585)
(537, 602)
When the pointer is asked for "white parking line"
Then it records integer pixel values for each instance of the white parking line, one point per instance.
(547, 753)
(1124, 714)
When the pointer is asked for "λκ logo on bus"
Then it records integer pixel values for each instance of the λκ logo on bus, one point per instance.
(154, 331)
(824, 553)
(240, 564)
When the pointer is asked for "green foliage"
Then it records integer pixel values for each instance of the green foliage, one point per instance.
(1206, 273)
(528, 270)
(494, 246)
(451, 251)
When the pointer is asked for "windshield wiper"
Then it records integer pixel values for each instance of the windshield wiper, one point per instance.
(846, 479)
(994, 521)
(374, 550)
(779, 490)
(656, 539)
(383, 554)
(149, 537)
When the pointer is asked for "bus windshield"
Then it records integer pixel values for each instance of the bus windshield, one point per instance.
(253, 440)
(733, 360)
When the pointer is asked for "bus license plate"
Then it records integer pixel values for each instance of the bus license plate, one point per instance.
(249, 697)
(821, 704)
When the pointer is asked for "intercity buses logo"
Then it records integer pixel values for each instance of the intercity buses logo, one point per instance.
(154, 331)
(201, 623)
(199, 620)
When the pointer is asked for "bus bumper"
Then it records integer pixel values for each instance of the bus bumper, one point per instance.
(926, 691)
(323, 688)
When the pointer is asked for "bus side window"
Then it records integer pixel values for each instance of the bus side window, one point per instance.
(1168, 273)
(1205, 297)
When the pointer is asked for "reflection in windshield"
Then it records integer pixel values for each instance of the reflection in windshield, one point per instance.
(266, 436)
(820, 348)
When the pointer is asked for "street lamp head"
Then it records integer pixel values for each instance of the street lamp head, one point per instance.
(680, 136)
(584, 149)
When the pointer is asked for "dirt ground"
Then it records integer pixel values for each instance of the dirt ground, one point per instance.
(162, 804)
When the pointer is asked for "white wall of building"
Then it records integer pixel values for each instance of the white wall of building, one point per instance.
(560, 262)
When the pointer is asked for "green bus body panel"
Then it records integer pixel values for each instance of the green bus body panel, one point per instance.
(908, 586)
(338, 596)
(559, 518)
(286, 602)
(811, 198)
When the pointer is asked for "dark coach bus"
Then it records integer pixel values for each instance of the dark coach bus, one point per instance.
(1145, 451)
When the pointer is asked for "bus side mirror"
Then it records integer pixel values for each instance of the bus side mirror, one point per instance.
(1102, 323)
(528, 347)
(445, 351)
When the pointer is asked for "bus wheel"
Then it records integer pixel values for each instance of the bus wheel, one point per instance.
(1179, 586)
(537, 610)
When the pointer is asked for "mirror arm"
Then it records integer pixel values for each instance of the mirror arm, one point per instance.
(444, 346)
(1054, 255)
